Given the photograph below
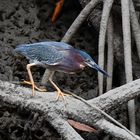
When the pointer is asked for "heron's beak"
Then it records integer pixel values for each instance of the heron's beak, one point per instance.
(93, 65)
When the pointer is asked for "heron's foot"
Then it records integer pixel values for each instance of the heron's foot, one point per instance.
(61, 94)
(34, 86)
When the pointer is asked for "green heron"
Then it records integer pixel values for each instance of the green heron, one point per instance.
(56, 56)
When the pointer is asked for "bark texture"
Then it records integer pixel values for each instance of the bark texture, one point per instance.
(102, 34)
(57, 112)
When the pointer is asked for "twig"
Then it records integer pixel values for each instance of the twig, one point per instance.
(110, 57)
(127, 57)
(102, 112)
(103, 26)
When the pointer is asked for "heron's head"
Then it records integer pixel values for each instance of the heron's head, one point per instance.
(88, 61)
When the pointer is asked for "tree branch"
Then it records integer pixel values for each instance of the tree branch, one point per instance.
(127, 57)
(102, 113)
(103, 26)
(115, 130)
(63, 127)
(75, 109)
(118, 96)
(110, 58)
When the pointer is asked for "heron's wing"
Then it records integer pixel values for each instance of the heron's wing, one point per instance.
(57, 45)
(47, 53)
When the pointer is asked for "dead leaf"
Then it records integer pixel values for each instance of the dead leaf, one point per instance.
(81, 126)
(57, 10)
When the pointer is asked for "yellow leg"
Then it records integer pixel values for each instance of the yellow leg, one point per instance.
(29, 83)
(31, 77)
(59, 92)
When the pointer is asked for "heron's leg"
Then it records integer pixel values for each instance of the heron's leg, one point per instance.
(29, 83)
(59, 92)
(31, 78)
(28, 67)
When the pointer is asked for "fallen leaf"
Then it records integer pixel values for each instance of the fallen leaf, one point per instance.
(81, 126)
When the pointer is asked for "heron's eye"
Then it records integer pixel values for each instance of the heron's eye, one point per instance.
(87, 60)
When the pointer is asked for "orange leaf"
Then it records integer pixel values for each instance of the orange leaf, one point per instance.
(81, 126)
(57, 10)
